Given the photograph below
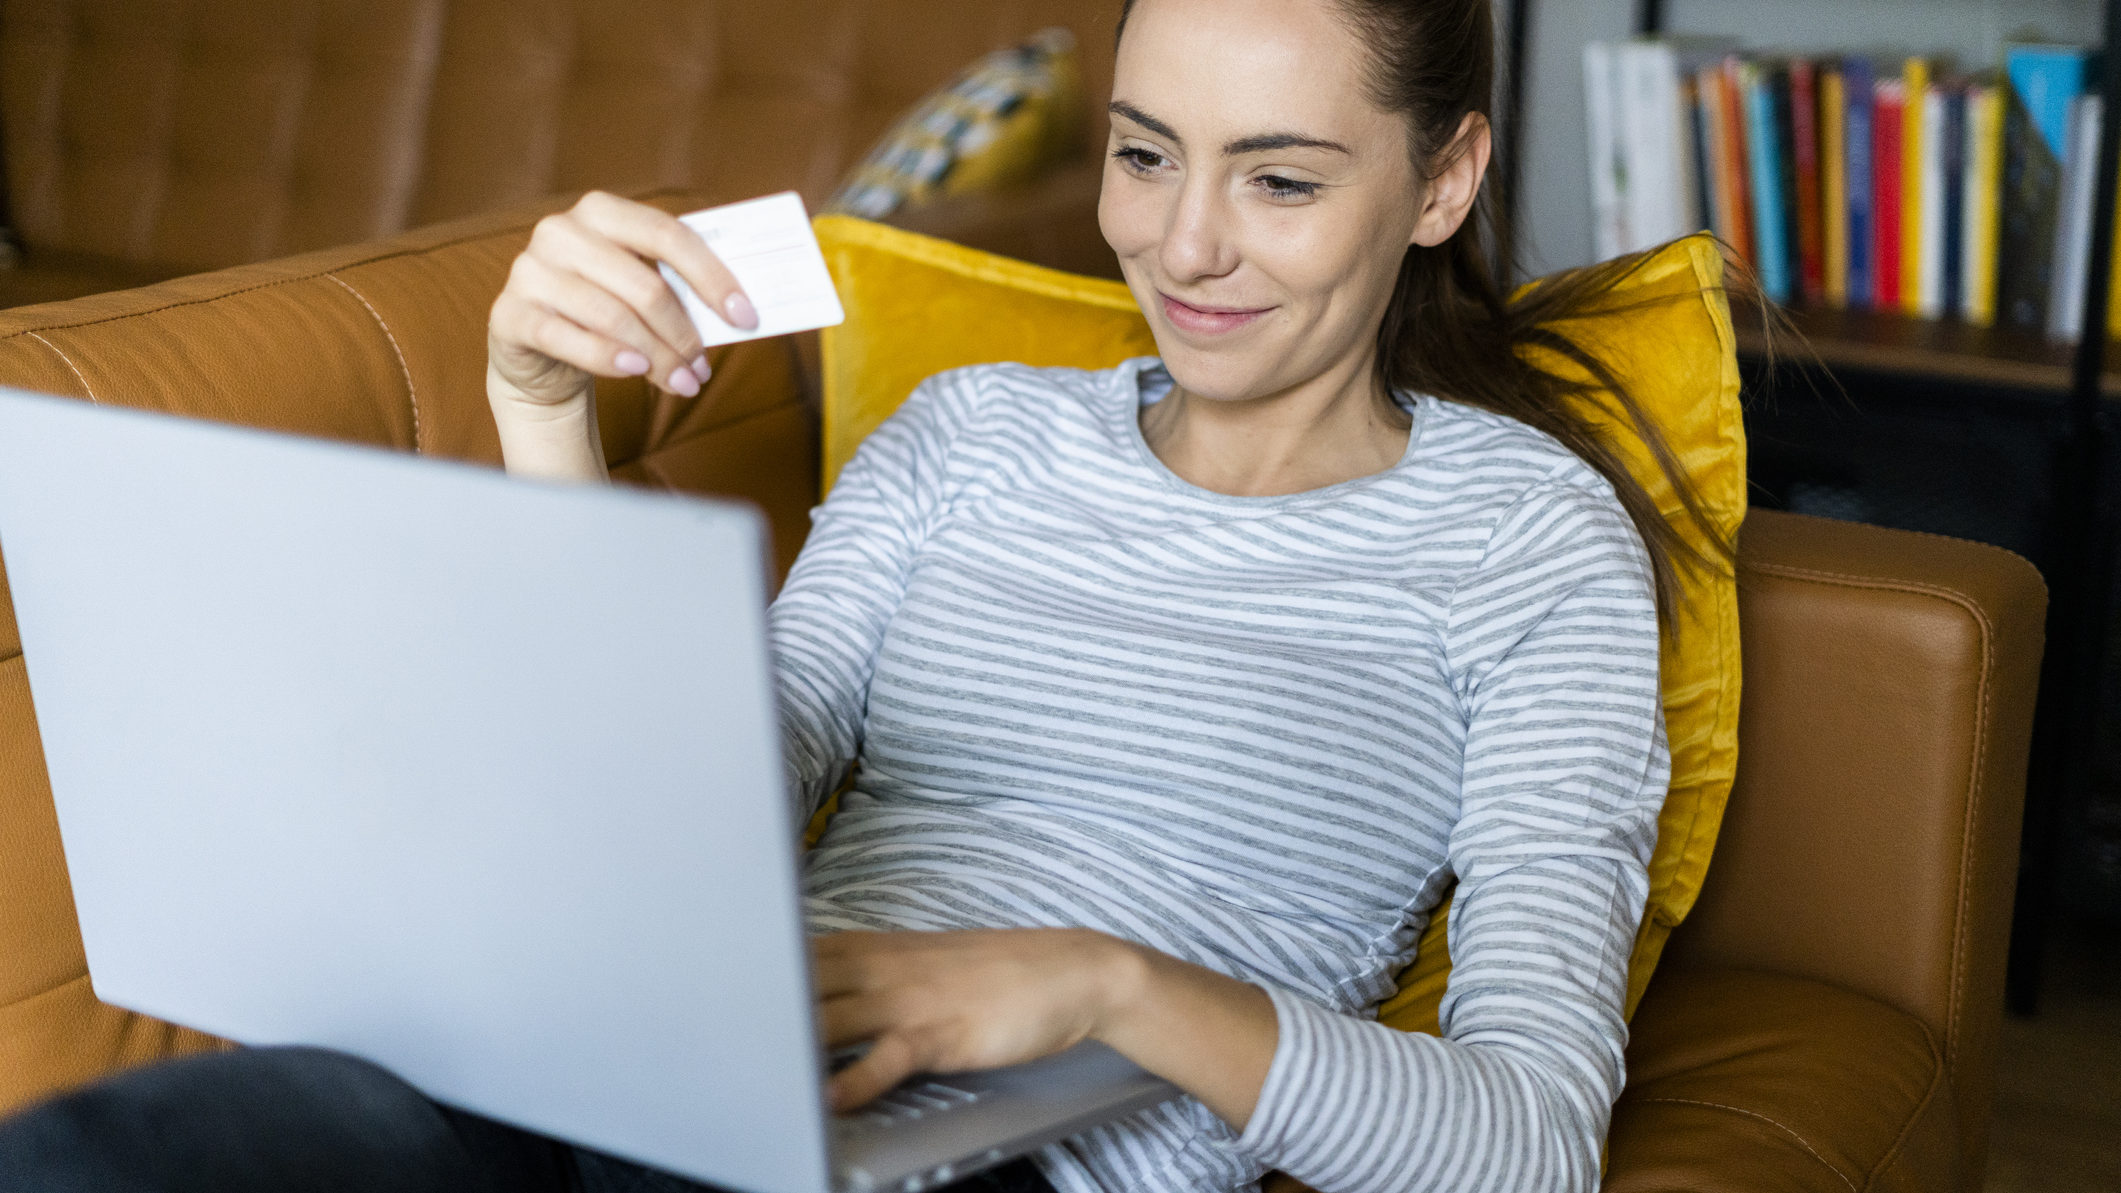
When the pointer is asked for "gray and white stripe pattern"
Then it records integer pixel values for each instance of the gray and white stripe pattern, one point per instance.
(1259, 734)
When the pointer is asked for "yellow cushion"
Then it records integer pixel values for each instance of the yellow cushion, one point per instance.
(916, 306)
(1011, 115)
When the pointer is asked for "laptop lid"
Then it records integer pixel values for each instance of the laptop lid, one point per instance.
(474, 777)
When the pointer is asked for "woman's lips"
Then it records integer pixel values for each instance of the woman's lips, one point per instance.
(1208, 320)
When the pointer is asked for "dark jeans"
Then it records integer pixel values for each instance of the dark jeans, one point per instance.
(282, 1120)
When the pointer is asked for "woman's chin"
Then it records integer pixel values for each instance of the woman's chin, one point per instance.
(1225, 376)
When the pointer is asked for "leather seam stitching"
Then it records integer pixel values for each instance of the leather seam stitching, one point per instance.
(1915, 1116)
(1979, 758)
(73, 368)
(1809, 1149)
(1990, 548)
(412, 396)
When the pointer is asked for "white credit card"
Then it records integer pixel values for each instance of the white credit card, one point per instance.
(768, 245)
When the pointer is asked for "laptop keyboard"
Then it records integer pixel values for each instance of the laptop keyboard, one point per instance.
(913, 1100)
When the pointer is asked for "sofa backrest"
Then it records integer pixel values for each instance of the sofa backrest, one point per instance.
(191, 136)
(180, 137)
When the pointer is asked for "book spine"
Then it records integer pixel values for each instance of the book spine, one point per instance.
(1952, 149)
(1833, 198)
(1887, 127)
(2040, 83)
(1931, 234)
(1703, 157)
(1915, 83)
(1636, 115)
(1984, 185)
(1661, 75)
(1769, 218)
(2065, 304)
(1738, 159)
(1608, 210)
(1859, 176)
(1777, 79)
(1804, 154)
(1708, 83)
(2113, 278)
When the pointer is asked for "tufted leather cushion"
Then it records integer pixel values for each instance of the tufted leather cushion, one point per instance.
(149, 140)
(731, 99)
(1743, 1079)
(198, 135)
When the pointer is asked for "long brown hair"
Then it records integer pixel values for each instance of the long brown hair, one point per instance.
(1453, 330)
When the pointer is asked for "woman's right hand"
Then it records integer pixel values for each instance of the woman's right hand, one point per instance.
(585, 300)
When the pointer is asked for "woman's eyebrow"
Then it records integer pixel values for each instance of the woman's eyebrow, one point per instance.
(1266, 141)
(1120, 107)
(1258, 143)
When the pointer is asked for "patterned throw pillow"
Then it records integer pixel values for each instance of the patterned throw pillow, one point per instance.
(1014, 113)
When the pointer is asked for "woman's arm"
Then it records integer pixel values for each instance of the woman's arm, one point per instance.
(584, 300)
(828, 623)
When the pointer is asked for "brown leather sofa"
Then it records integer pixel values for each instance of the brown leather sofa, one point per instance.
(1826, 1020)
(148, 140)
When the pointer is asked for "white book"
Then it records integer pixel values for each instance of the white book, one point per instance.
(2073, 224)
(1609, 232)
(1934, 155)
(1655, 134)
(1976, 266)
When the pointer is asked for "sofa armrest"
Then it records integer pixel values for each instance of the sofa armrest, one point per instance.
(1872, 836)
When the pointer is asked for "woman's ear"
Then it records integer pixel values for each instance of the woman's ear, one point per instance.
(1451, 193)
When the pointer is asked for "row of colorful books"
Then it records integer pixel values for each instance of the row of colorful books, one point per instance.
(1869, 181)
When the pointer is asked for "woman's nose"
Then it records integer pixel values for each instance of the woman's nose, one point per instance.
(1198, 239)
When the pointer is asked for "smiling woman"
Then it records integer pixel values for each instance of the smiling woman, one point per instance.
(1180, 691)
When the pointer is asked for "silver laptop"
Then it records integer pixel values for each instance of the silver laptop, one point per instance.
(477, 778)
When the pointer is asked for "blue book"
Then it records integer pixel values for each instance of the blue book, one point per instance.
(1770, 217)
(1857, 84)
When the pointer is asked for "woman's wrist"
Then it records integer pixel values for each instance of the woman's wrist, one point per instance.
(1210, 1034)
(547, 440)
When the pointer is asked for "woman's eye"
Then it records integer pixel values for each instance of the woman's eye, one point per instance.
(1287, 188)
(1138, 159)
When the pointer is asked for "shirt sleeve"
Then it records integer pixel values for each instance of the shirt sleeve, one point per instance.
(1553, 643)
(828, 623)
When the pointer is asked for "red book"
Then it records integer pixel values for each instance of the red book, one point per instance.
(1804, 135)
(1732, 111)
(1885, 190)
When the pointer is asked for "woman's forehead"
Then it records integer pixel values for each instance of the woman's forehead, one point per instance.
(1217, 71)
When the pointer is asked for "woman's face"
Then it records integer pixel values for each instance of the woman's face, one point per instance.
(1259, 203)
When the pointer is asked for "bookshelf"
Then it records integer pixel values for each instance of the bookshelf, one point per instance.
(2077, 381)
(1891, 343)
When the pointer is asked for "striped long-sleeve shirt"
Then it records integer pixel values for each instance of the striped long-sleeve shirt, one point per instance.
(1261, 734)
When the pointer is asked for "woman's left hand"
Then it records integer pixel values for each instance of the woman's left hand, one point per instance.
(944, 1002)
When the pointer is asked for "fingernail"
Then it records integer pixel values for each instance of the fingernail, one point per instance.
(741, 312)
(682, 381)
(630, 363)
(700, 368)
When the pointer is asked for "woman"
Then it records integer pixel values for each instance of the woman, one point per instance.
(1181, 690)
